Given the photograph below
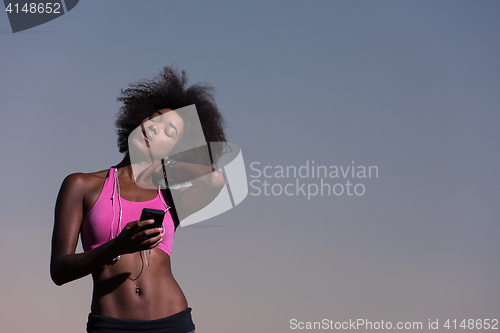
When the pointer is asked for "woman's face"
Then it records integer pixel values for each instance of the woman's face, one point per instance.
(159, 133)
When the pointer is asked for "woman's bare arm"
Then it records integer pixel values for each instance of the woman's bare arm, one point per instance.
(207, 183)
(65, 264)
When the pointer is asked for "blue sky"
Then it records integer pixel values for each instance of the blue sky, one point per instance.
(408, 86)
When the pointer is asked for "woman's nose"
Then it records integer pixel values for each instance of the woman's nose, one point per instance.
(152, 128)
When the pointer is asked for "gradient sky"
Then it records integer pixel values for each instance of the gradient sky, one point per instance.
(411, 87)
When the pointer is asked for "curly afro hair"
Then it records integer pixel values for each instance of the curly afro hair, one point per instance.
(168, 91)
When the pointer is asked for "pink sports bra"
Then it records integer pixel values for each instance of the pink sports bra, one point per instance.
(110, 214)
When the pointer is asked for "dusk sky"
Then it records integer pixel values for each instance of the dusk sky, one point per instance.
(408, 88)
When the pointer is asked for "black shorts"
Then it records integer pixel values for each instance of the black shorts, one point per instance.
(177, 323)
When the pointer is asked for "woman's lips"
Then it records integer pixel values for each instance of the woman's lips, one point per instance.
(146, 137)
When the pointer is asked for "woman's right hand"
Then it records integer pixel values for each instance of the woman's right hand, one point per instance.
(134, 238)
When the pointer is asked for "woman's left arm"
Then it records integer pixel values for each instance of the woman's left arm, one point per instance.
(207, 184)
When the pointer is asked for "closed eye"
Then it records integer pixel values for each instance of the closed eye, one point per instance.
(171, 131)
(175, 128)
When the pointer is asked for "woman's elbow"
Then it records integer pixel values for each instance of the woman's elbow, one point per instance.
(217, 179)
(57, 279)
(56, 274)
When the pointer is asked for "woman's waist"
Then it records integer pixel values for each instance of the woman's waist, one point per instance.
(129, 289)
(139, 301)
(179, 322)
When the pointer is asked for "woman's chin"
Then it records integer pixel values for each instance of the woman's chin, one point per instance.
(159, 154)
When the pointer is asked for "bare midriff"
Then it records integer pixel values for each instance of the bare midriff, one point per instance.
(122, 291)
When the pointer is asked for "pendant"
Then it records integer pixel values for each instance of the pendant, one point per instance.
(137, 290)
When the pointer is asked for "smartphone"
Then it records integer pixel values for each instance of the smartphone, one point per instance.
(153, 214)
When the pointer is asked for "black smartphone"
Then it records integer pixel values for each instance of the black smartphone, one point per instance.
(153, 214)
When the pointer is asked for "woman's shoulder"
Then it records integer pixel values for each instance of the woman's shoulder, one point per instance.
(87, 177)
(85, 181)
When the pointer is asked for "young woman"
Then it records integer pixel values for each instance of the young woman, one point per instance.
(134, 289)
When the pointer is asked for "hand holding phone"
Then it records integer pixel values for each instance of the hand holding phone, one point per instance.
(152, 214)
